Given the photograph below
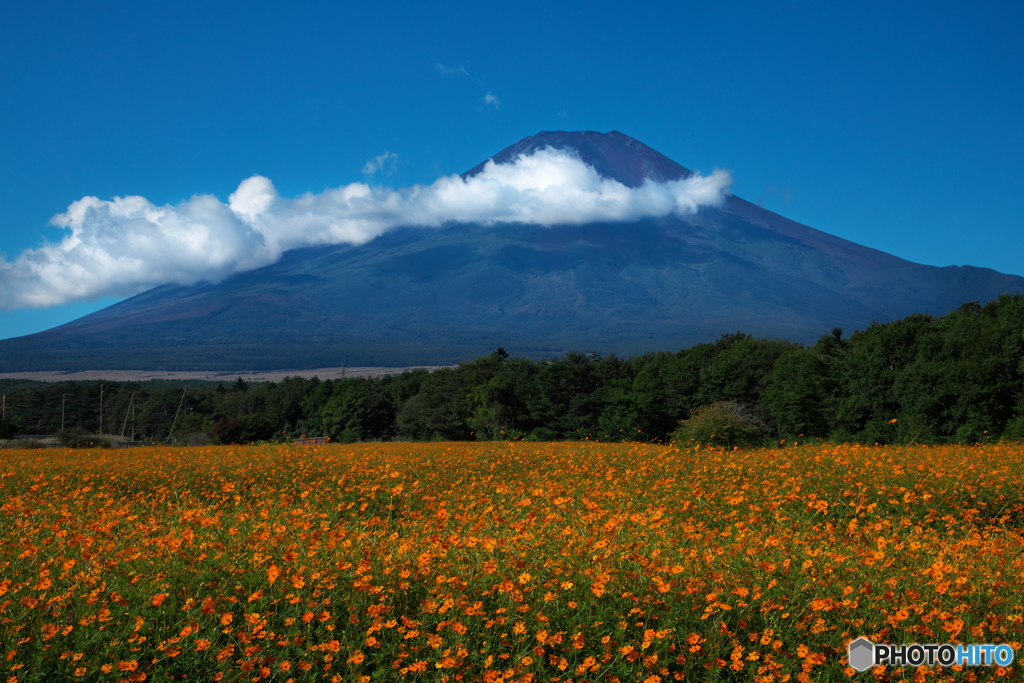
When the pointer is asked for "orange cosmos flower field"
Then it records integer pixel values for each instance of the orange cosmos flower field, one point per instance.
(504, 561)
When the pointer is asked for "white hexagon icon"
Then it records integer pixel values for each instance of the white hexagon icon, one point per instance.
(861, 654)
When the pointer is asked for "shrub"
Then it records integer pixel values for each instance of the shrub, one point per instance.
(725, 424)
(196, 439)
(245, 429)
(71, 438)
(225, 431)
(348, 435)
(7, 429)
(1014, 430)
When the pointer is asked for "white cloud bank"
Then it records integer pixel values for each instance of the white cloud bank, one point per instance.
(127, 245)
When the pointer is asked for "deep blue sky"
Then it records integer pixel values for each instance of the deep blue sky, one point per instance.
(897, 125)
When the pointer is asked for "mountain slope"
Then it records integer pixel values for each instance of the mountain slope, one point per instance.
(439, 296)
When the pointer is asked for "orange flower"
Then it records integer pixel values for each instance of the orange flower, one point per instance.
(757, 532)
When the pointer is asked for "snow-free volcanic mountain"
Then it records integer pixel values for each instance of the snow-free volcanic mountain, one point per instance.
(443, 295)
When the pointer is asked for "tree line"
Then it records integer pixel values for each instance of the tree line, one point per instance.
(954, 378)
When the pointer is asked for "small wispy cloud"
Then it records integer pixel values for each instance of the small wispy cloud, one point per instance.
(491, 99)
(128, 244)
(445, 71)
(385, 162)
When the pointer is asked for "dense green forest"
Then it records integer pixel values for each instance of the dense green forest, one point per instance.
(954, 378)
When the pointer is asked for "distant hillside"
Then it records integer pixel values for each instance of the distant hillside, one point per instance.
(419, 296)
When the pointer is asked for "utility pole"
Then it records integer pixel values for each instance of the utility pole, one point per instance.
(133, 418)
(184, 391)
(101, 409)
(131, 404)
(4, 418)
(63, 400)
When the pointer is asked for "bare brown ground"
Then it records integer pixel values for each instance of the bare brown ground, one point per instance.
(224, 376)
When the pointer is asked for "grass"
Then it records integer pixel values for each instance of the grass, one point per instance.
(504, 561)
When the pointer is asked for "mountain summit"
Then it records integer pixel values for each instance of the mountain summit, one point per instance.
(614, 155)
(442, 295)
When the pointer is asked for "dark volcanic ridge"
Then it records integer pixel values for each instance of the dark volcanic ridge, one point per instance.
(438, 296)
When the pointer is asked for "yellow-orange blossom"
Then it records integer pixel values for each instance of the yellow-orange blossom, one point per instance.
(503, 561)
